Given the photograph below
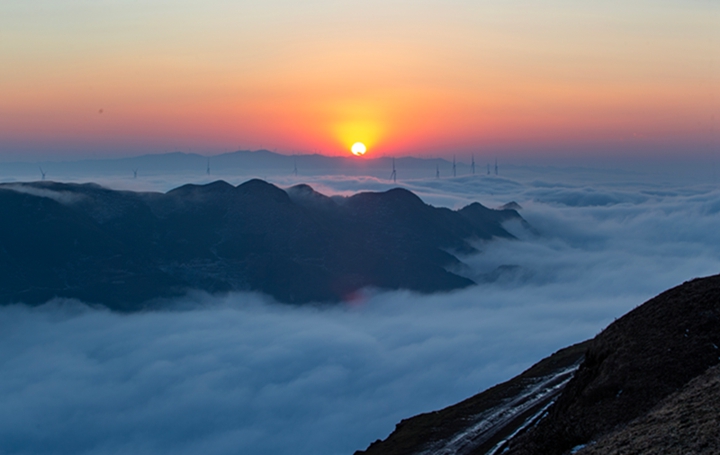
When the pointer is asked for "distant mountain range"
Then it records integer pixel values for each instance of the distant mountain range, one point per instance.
(648, 384)
(123, 249)
(243, 163)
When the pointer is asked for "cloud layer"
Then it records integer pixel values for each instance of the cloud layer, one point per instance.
(240, 374)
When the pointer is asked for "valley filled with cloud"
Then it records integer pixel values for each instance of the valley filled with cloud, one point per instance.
(239, 373)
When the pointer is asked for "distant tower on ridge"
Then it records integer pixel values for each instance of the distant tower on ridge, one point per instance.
(393, 176)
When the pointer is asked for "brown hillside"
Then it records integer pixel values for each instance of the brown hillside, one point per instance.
(686, 422)
(638, 361)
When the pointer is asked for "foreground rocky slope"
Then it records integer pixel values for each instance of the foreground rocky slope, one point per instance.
(123, 249)
(686, 422)
(645, 385)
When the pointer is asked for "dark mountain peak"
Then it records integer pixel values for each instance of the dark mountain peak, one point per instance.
(193, 190)
(302, 188)
(475, 207)
(403, 196)
(488, 221)
(396, 197)
(258, 188)
(305, 195)
(512, 205)
(401, 193)
(218, 185)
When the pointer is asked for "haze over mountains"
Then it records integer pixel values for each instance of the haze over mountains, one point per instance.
(227, 374)
(123, 249)
(244, 163)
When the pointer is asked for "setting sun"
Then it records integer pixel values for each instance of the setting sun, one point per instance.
(358, 149)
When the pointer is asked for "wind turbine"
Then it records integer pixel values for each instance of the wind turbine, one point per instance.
(393, 176)
(488, 169)
(207, 170)
(135, 173)
(496, 167)
(454, 168)
(437, 171)
(472, 163)
(42, 172)
(295, 166)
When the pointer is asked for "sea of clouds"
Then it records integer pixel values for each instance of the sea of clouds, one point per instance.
(241, 374)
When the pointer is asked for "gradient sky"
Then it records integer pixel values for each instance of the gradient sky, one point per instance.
(424, 77)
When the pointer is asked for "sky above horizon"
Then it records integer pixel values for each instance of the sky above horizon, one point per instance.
(554, 78)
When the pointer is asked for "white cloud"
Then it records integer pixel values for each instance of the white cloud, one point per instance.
(63, 197)
(237, 374)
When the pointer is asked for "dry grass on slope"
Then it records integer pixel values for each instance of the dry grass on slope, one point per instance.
(685, 423)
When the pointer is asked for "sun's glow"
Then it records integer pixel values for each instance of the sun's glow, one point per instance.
(363, 129)
(358, 149)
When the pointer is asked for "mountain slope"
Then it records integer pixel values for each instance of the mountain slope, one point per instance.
(643, 362)
(631, 366)
(122, 249)
(686, 422)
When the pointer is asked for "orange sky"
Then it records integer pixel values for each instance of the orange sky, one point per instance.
(421, 78)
